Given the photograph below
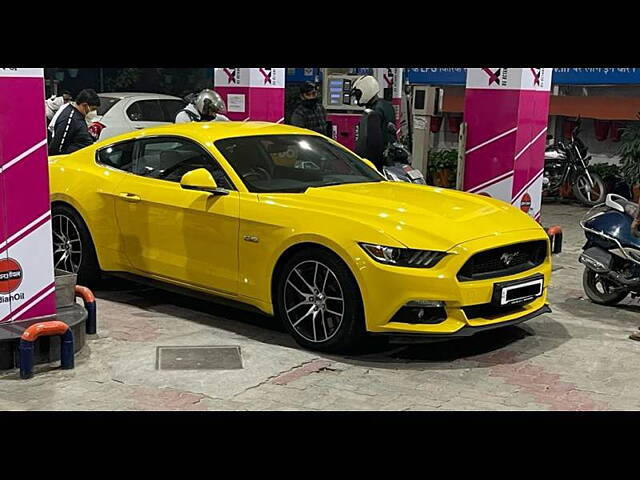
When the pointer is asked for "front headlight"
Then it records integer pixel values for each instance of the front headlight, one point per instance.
(403, 257)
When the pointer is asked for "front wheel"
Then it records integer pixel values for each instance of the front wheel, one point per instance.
(602, 290)
(587, 193)
(318, 300)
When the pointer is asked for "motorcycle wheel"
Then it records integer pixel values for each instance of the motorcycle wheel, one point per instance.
(586, 194)
(599, 290)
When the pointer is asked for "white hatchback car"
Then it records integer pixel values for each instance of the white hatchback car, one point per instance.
(122, 112)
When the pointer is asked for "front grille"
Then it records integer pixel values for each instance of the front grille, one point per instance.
(504, 261)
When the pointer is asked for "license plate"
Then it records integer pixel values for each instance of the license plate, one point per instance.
(519, 291)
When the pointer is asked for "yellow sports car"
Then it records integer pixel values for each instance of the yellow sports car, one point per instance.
(292, 223)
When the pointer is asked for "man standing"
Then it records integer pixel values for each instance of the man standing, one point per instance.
(373, 134)
(310, 114)
(70, 131)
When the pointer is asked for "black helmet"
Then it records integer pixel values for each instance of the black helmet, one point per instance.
(396, 152)
(307, 87)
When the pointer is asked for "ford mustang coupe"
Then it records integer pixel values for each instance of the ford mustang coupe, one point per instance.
(292, 223)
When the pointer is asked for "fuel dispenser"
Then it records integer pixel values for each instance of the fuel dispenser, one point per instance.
(343, 114)
(426, 103)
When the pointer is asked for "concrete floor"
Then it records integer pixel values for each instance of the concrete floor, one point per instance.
(577, 358)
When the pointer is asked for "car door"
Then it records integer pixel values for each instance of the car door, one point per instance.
(145, 113)
(180, 235)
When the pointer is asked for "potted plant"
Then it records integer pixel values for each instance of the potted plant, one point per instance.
(443, 165)
(630, 157)
(612, 178)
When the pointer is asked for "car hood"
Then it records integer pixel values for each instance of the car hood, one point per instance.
(417, 216)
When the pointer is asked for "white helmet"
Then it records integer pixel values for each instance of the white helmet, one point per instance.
(209, 103)
(364, 89)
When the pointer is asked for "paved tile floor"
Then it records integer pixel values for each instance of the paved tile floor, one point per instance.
(577, 358)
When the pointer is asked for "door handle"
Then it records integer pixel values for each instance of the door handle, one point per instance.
(139, 128)
(130, 197)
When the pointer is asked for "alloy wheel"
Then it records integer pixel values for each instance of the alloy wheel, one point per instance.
(67, 245)
(314, 301)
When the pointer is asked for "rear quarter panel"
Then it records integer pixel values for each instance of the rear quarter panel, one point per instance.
(76, 180)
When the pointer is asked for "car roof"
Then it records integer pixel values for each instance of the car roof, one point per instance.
(122, 95)
(213, 131)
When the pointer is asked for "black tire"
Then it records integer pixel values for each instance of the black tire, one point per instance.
(589, 198)
(86, 266)
(590, 282)
(345, 334)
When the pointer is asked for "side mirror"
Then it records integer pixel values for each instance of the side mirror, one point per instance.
(201, 180)
(370, 163)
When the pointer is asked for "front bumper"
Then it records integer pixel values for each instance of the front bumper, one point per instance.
(386, 289)
(463, 332)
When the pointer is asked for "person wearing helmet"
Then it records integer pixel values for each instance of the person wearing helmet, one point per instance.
(373, 134)
(208, 106)
(310, 113)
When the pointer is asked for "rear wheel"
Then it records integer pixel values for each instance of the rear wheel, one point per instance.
(318, 300)
(587, 193)
(601, 290)
(73, 249)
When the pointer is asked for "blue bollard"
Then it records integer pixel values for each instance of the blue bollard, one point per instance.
(67, 360)
(26, 359)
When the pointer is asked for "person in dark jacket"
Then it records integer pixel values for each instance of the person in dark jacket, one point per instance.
(70, 132)
(310, 113)
(373, 135)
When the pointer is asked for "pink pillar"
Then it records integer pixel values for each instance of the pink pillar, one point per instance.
(27, 288)
(255, 94)
(506, 111)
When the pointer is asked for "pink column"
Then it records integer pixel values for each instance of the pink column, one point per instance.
(26, 258)
(255, 94)
(506, 111)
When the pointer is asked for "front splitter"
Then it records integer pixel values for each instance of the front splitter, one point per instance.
(467, 331)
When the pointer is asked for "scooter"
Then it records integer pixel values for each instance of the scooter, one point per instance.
(612, 254)
(397, 162)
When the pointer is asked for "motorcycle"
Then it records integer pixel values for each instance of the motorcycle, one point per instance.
(397, 162)
(611, 255)
(565, 169)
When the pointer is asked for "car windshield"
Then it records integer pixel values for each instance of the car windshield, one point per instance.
(293, 163)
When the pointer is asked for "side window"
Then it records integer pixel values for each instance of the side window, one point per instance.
(118, 156)
(145, 111)
(170, 108)
(170, 158)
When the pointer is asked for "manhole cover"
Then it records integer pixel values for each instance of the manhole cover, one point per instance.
(198, 358)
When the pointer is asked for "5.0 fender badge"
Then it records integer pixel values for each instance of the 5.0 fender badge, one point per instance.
(251, 238)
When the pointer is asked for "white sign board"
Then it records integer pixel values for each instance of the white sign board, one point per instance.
(267, 77)
(21, 72)
(235, 103)
(508, 78)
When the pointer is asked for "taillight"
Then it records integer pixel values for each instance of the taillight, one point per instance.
(95, 128)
